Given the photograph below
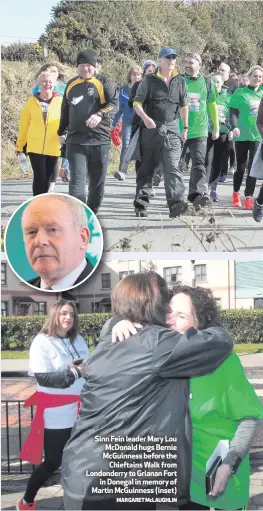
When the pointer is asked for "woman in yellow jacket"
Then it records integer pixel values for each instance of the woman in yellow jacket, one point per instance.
(38, 127)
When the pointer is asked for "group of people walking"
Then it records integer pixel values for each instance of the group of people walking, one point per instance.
(167, 118)
(163, 367)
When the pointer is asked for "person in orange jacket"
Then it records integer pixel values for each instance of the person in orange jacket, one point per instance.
(39, 122)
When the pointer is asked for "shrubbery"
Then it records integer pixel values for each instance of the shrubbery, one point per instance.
(246, 326)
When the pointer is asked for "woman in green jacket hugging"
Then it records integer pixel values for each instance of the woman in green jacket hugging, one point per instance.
(223, 406)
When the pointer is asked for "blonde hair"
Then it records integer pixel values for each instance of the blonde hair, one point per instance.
(61, 70)
(136, 67)
(253, 68)
(44, 73)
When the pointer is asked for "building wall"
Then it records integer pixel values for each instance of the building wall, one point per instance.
(15, 288)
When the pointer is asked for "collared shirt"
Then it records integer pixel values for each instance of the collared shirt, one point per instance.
(68, 281)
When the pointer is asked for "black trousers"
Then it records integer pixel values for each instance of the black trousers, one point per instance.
(91, 161)
(156, 149)
(260, 196)
(43, 167)
(245, 151)
(198, 180)
(216, 157)
(54, 443)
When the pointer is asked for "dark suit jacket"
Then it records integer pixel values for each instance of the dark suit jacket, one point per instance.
(87, 270)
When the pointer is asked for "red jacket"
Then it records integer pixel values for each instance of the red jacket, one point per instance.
(32, 449)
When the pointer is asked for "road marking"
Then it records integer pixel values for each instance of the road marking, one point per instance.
(256, 382)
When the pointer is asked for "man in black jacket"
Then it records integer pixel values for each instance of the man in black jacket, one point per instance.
(86, 116)
(56, 237)
(160, 99)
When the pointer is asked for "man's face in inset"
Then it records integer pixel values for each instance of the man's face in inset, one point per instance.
(54, 245)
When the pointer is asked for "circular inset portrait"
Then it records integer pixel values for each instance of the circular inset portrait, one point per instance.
(53, 242)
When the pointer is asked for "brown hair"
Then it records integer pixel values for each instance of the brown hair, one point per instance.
(136, 67)
(51, 322)
(61, 70)
(142, 298)
(204, 306)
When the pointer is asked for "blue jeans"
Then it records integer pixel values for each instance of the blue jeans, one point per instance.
(126, 137)
(65, 164)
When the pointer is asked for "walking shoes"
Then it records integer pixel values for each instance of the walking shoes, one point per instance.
(26, 507)
(257, 212)
(249, 203)
(236, 201)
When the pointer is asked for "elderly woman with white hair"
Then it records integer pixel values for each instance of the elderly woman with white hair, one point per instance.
(39, 122)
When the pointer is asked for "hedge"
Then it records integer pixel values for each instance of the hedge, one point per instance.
(246, 326)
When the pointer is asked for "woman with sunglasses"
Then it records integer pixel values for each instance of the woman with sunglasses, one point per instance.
(57, 359)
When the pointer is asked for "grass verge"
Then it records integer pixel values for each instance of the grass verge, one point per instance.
(238, 348)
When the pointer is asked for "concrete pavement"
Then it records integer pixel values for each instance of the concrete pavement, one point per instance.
(221, 229)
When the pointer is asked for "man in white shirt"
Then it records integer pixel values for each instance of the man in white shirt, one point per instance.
(56, 237)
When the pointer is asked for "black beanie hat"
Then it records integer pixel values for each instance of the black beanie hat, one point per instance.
(87, 57)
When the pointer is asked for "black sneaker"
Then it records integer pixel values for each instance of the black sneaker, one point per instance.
(179, 208)
(201, 201)
(156, 180)
(119, 175)
(257, 212)
(142, 213)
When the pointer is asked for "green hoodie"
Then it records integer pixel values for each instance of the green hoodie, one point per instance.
(218, 402)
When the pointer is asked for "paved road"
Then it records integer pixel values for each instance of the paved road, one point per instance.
(233, 230)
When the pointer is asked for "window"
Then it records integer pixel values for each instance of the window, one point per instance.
(258, 303)
(41, 308)
(105, 280)
(3, 274)
(200, 273)
(173, 275)
(123, 274)
(4, 308)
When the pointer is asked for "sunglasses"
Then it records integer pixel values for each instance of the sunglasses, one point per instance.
(170, 57)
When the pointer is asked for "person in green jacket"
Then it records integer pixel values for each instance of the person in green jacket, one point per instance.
(223, 405)
(244, 106)
(202, 96)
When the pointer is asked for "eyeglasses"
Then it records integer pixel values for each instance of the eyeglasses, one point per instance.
(170, 57)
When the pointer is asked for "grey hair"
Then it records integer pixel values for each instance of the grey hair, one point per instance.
(40, 76)
(77, 210)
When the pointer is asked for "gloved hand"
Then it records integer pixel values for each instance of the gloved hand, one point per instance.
(115, 136)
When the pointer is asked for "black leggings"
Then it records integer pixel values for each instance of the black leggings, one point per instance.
(244, 150)
(54, 443)
(260, 196)
(43, 168)
(216, 157)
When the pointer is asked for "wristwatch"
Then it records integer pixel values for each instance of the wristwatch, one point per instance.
(185, 127)
(100, 114)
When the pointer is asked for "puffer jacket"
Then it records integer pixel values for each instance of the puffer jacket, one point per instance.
(41, 137)
(139, 387)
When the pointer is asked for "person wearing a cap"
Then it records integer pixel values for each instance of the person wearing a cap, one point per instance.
(86, 116)
(160, 99)
(201, 97)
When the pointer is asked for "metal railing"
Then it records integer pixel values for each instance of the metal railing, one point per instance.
(15, 426)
